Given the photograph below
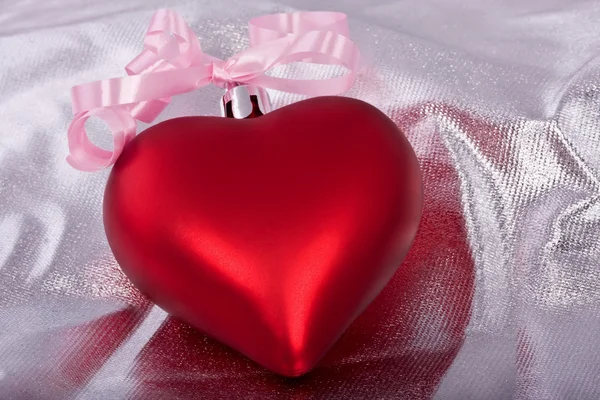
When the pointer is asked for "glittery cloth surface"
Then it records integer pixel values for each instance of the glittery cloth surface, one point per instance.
(499, 297)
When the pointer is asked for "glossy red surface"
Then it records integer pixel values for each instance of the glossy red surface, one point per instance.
(270, 234)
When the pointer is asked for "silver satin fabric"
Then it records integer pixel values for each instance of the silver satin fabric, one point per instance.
(501, 101)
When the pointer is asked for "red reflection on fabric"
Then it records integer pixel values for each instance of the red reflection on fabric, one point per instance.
(400, 347)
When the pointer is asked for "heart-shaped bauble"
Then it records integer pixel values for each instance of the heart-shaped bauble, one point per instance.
(271, 234)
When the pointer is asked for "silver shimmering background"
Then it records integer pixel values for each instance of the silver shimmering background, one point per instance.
(501, 101)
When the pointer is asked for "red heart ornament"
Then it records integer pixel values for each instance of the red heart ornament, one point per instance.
(270, 234)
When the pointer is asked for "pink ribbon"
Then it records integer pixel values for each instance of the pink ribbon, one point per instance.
(172, 63)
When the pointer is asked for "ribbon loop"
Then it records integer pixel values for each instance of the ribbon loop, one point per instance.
(271, 27)
(172, 63)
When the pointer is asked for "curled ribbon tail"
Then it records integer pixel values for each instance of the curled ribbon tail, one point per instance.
(85, 155)
(170, 49)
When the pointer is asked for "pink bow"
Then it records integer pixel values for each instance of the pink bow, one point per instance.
(172, 63)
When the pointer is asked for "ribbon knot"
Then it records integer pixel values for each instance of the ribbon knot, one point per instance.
(220, 76)
(172, 63)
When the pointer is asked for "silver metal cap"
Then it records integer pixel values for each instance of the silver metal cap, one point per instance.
(245, 101)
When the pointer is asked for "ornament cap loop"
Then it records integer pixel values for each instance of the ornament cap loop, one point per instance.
(245, 101)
